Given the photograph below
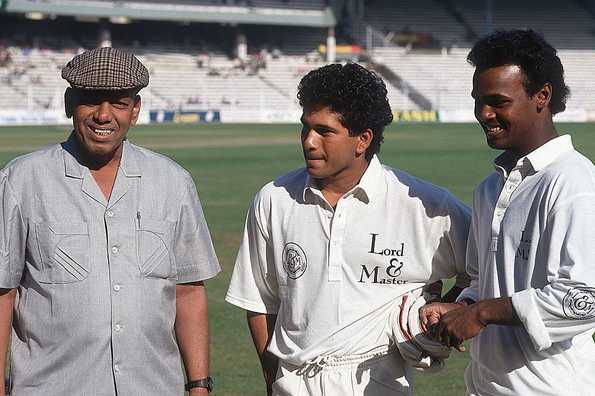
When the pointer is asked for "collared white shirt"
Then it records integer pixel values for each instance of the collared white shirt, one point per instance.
(333, 277)
(533, 238)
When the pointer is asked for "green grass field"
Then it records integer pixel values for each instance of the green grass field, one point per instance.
(231, 162)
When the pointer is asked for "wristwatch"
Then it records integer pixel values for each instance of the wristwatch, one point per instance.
(201, 383)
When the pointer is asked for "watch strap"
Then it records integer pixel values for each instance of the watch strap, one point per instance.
(200, 383)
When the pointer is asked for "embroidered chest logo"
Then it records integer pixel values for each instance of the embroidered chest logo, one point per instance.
(294, 260)
(579, 303)
(522, 252)
(389, 274)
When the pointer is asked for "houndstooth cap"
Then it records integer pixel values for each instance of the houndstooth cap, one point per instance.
(106, 69)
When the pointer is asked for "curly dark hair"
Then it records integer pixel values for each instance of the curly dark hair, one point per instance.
(356, 93)
(528, 50)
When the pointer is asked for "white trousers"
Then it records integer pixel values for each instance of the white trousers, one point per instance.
(375, 374)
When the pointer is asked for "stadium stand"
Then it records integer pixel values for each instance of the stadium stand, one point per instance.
(289, 4)
(576, 32)
(442, 78)
(194, 66)
(414, 16)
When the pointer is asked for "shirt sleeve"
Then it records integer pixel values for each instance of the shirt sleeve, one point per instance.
(471, 260)
(193, 249)
(253, 283)
(13, 237)
(460, 217)
(449, 257)
(565, 307)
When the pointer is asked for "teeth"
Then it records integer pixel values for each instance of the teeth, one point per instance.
(102, 132)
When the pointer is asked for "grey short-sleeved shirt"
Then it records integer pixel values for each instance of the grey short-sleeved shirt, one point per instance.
(96, 280)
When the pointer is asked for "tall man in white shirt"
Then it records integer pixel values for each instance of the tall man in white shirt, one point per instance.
(330, 250)
(530, 308)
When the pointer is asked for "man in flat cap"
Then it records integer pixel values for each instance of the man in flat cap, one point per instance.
(103, 252)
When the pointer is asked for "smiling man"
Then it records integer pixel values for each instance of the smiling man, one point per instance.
(531, 252)
(105, 246)
(331, 252)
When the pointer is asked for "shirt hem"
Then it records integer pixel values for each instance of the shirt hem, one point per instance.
(196, 277)
(249, 305)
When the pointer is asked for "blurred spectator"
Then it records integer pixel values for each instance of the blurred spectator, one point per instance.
(5, 58)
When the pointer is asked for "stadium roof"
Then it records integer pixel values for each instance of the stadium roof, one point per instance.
(172, 11)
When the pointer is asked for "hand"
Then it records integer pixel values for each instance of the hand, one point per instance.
(458, 325)
(430, 314)
(270, 365)
(434, 291)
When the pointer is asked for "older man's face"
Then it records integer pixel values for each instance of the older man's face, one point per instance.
(101, 121)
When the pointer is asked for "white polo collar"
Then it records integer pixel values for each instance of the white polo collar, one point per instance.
(549, 152)
(370, 186)
(539, 158)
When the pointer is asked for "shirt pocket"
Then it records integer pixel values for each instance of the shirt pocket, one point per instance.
(154, 248)
(64, 252)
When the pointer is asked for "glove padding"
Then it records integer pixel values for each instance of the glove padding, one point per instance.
(418, 350)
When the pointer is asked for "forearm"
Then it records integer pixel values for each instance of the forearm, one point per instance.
(497, 311)
(192, 329)
(6, 304)
(261, 328)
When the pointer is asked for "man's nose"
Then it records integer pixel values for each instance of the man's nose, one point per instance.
(103, 113)
(309, 139)
(484, 112)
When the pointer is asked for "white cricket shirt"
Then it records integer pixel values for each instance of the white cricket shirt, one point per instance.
(533, 238)
(333, 277)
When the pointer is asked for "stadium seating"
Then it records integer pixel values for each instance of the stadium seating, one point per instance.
(564, 23)
(193, 68)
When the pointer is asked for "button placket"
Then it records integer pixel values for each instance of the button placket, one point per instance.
(510, 184)
(336, 243)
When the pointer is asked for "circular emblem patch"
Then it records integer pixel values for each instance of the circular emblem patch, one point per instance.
(294, 260)
(579, 303)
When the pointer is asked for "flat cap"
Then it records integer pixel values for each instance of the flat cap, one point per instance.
(106, 69)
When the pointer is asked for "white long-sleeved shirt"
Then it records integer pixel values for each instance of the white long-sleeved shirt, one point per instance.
(533, 238)
(335, 276)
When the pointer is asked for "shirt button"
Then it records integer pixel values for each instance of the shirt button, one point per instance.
(109, 213)
(117, 287)
(115, 249)
(116, 368)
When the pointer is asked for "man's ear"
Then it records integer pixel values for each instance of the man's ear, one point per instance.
(135, 110)
(543, 97)
(69, 102)
(364, 141)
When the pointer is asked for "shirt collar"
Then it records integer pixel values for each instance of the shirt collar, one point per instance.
(370, 185)
(549, 152)
(540, 157)
(73, 166)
